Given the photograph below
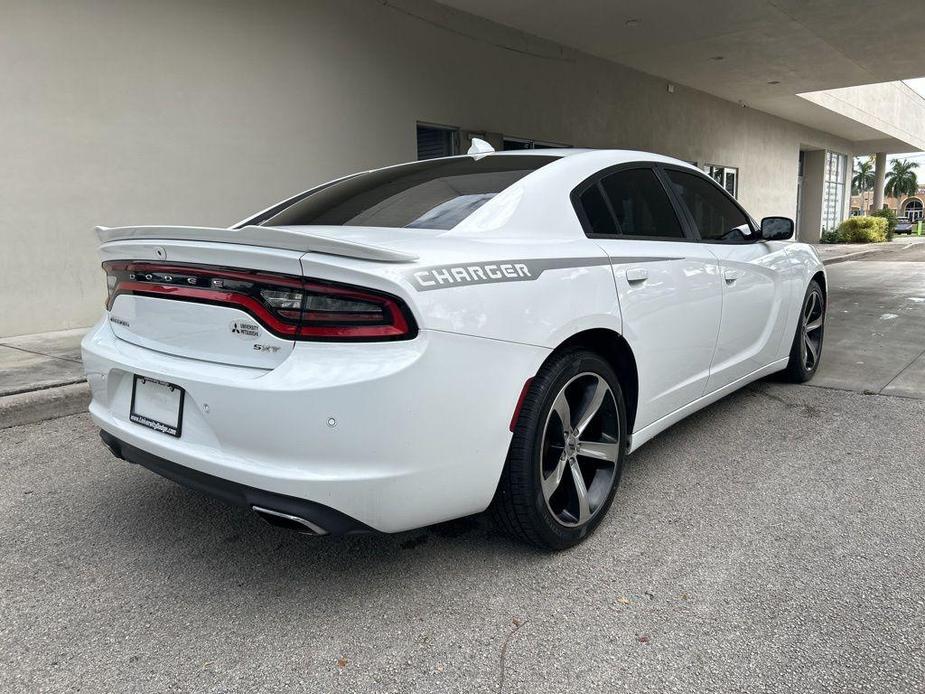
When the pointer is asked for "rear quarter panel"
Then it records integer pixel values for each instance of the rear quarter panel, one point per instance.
(538, 293)
(803, 263)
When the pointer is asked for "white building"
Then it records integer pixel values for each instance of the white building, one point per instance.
(191, 112)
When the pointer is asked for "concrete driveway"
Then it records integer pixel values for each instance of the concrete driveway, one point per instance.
(771, 543)
(875, 331)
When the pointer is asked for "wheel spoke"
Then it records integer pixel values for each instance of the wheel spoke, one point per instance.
(574, 473)
(581, 491)
(561, 408)
(812, 354)
(594, 404)
(599, 450)
(551, 484)
(814, 325)
(810, 307)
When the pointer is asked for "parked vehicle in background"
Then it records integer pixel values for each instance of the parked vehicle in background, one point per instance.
(903, 226)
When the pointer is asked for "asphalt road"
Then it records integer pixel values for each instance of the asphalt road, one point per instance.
(771, 543)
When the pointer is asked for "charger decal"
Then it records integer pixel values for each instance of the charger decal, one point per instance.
(458, 275)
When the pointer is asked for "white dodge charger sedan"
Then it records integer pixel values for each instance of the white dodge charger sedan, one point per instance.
(425, 341)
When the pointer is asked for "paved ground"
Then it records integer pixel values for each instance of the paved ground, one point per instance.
(771, 543)
(34, 362)
(41, 377)
(838, 252)
(875, 329)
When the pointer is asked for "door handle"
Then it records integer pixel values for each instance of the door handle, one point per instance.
(637, 275)
(731, 275)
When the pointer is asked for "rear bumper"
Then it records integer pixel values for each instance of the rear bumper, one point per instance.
(329, 520)
(419, 433)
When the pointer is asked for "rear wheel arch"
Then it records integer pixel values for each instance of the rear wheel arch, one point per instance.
(820, 278)
(614, 349)
(567, 453)
(806, 347)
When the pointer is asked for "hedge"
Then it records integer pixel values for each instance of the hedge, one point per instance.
(890, 218)
(863, 230)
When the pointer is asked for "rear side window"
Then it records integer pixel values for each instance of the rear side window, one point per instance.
(640, 205)
(716, 216)
(599, 218)
(435, 194)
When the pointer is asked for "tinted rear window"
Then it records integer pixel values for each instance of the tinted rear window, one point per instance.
(599, 217)
(641, 205)
(436, 194)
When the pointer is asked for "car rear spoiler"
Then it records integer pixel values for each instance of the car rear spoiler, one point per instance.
(268, 237)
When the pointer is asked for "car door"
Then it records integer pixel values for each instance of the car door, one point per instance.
(753, 272)
(669, 287)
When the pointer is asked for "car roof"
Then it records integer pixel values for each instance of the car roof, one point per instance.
(617, 155)
(542, 152)
(543, 196)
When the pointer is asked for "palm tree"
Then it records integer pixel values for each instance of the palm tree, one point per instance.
(901, 180)
(863, 180)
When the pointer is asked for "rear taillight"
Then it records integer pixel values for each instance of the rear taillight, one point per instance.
(289, 307)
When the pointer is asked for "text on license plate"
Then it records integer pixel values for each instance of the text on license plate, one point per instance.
(157, 405)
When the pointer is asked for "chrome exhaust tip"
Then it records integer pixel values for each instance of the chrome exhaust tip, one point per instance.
(289, 522)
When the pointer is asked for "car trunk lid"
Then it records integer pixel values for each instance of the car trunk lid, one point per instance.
(222, 296)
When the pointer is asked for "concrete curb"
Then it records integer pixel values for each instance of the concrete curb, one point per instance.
(39, 405)
(851, 256)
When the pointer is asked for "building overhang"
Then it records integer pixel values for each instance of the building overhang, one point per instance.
(802, 60)
(887, 117)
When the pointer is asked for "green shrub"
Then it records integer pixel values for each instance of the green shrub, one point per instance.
(829, 236)
(866, 229)
(890, 217)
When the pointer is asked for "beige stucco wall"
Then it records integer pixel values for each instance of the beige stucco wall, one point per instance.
(195, 112)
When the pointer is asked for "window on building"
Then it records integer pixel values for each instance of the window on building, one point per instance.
(640, 205)
(726, 176)
(717, 218)
(437, 141)
(913, 209)
(436, 194)
(833, 189)
(515, 143)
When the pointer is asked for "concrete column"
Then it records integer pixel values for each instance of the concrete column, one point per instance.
(879, 179)
(811, 202)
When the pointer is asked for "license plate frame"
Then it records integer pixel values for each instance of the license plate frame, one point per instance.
(156, 404)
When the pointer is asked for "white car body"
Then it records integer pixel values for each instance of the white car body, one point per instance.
(403, 434)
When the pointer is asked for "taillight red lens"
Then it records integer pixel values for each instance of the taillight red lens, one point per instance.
(111, 281)
(337, 311)
(290, 307)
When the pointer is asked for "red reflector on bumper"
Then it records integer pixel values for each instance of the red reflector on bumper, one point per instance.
(520, 402)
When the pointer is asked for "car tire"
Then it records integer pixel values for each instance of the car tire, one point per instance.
(806, 348)
(558, 481)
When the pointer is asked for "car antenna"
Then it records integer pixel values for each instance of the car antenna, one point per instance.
(479, 147)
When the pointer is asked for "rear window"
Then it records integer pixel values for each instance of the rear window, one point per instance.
(435, 194)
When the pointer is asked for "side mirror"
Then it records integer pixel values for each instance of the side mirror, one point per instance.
(776, 229)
